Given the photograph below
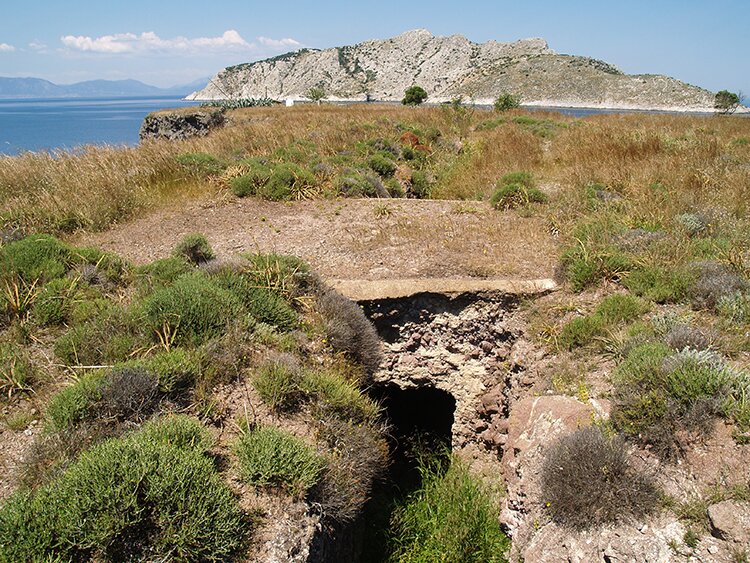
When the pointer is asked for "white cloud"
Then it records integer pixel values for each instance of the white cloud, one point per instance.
(5, 48)
(279, 43)
(150, 42)
(37, 46)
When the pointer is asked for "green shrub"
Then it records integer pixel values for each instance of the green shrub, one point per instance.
(506, 101)
(524, 179)
(659, 283)
(420, 185)
(17, 372)
(588, 481)
(611, 311)
(452, 517)
(269, 456)
(713, 281)
(261, 303)
(383, 165)
(335, 396)
(142, 496)
(201, 164)
(414, 96)
(178, 430)
(349, 330)
(360, 184)
(285, 275)
(110, 335)
(54, 303)
(252, 181)
(515, 195)
(580, 331)
(36, 257)
(75, 402)
(278, 385)
(658, 394)
(174, 369)
(161, 273)
(585, 265)
(192, 310)
(736, 307)
(194, 248)
(289, 181)
(108, 267)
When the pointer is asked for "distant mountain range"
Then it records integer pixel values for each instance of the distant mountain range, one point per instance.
(40, 88)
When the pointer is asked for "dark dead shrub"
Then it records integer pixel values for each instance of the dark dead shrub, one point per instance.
(128, 393)
(682, 336)
(349, 330)
(358, 458)
(587, 481)
(713, 281)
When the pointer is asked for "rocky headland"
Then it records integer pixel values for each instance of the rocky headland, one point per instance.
(452, 67)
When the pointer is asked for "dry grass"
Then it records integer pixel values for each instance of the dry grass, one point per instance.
(694, 161)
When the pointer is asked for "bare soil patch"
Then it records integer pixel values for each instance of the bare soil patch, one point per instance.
(353, 239)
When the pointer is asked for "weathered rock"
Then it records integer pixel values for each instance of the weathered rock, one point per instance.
(449, 67)
(730, 521)
(177, 125)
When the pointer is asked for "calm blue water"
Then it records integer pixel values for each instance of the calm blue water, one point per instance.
(47, 124)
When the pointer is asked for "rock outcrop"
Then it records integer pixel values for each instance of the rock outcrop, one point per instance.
(179, 124)
(449, 67)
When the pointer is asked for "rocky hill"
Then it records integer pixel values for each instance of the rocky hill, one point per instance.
(448, 67)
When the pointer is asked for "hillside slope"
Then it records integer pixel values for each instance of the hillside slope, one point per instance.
(448, 67)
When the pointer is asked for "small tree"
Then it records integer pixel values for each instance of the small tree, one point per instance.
(414, 96)
(506, 101)
(726, 102)
(316, 94)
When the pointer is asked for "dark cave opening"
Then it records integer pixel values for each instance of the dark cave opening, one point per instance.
(421, 426)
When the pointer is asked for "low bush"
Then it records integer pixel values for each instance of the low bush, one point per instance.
(681, 336)
(201, 164)
(192, 310)
(36, 257)
(506, 101)
(508, 196)
(279, 385)
(334, 396)
(160, 273)
(17, 372)
(285, 275)
(261, 303)
(75, 402)
(611, 311)
(588, 481)
(174, 369)
(54, 303)
(452, 517)
(658, 283)
(420, 184)
(713, 281)
(148, 495)
(252, 181)
(269, 456)
(383, 165)
(289, 181)
(355, 183)
(349, 330)
(735, 307)
(110, 335)
(194, 248)
(659, 394)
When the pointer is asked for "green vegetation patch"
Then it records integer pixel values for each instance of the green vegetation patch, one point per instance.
(515, 190)
(201, 164)
(269, 456)
(151, 494)
(452, 517)
(194, 248)
(613, 310)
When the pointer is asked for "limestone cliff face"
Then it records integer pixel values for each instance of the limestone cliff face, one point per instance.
(448, 67)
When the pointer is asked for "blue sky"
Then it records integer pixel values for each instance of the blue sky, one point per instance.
(168, 42)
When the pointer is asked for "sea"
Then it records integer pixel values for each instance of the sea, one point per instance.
(36, 124)
(51, 124)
